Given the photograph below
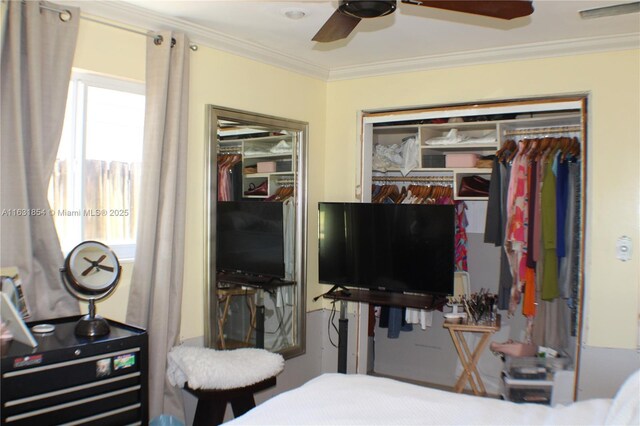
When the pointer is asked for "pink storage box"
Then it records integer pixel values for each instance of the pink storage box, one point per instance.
(266, 166)
(461, 160)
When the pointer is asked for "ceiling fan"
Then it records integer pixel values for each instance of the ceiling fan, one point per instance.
(616, 9)
(351, 12)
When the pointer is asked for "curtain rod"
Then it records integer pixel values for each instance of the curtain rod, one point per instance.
(543, 130)
(65, 16)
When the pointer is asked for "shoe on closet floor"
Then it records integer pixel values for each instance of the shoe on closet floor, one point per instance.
(257, 190)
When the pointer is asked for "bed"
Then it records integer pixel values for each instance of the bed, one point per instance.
(339, 399)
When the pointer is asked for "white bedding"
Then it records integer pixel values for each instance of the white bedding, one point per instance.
(338, 399)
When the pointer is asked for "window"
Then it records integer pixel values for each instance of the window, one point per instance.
(94, 186)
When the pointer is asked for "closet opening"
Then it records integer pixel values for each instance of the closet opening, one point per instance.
(515, 170)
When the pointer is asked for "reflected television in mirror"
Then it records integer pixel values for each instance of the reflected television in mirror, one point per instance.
(250, 238)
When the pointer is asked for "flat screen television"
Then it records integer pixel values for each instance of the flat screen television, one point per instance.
(250, 238)
(402, 248)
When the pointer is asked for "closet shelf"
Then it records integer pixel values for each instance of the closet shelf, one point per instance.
(269, 155)
(462, 146)
(459, 198)
(258, 139)
(447, 170)
(433, 169)
(266, 175)
(474, 170)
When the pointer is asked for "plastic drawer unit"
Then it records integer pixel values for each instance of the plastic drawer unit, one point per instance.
(532, 391)
(532, 379)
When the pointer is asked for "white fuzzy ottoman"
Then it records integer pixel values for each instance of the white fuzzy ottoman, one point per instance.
(218, 377)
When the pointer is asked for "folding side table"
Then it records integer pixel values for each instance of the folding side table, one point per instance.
(468, 358)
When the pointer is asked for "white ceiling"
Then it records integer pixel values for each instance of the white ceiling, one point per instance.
(413, 37)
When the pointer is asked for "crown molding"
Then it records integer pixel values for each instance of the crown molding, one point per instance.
(120, 12)
(487, 56)
(127, 13)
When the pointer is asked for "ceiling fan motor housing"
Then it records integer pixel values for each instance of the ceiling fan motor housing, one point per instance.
(367, 8)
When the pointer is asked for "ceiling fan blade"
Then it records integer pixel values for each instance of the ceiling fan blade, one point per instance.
(503, 9)
(337, 27)
(616, 9)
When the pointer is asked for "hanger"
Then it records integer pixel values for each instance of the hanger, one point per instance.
(403, 195)
(508, 146)
(534, 146)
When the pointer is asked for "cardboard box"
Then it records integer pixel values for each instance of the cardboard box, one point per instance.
(266, 166)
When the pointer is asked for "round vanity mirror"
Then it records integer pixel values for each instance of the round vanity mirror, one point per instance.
(91, 272)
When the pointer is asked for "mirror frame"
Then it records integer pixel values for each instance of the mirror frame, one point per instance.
(213, 115)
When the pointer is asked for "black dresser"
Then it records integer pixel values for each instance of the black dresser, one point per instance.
(75, 380)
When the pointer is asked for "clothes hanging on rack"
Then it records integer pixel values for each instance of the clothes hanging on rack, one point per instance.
(284, 194)
(289, 238)
(517, 219)
(496, 217)
(229, 176)
(420, 192)
(549, 225)
(541, 232)
(461, 237)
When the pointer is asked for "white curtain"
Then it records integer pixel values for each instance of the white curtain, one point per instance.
(36, 59)
(156, 286)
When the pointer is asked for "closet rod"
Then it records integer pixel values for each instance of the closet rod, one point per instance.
(543, 130)
(442, 179)
(284, 181)
(65, 16)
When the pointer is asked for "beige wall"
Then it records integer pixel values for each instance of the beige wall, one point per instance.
(230, 81)
(331, 109)
(224, 80)
(612, 81)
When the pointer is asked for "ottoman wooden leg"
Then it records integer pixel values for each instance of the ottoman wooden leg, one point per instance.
(210, 411)
(242, 404)
(212, 403)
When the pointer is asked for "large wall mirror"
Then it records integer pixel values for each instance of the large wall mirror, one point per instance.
(256, 226)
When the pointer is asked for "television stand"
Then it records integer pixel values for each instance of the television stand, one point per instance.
(373, 297)
(332, 290)
(386, 298)
(257, 281)
(260, 281)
